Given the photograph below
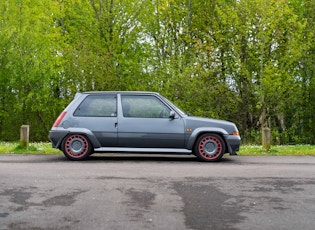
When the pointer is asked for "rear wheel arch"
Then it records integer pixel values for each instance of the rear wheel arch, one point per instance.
(82, 131)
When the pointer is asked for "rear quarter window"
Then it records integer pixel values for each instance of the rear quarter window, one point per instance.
(97, 106)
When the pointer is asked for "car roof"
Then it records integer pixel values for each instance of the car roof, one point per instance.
(119, 92)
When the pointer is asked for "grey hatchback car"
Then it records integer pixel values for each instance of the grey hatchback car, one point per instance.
(139, 122)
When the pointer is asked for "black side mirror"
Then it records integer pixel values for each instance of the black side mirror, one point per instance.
(172, 115)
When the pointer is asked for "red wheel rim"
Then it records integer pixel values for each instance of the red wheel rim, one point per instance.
(210, 147)
(76, 146)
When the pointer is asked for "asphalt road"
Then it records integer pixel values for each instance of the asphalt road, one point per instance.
(156, 192)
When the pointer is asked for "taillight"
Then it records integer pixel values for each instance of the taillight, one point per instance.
(59, 119)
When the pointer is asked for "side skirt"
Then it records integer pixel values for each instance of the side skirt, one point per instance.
(142, 150)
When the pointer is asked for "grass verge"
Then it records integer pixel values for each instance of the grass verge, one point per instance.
(245, 150)
(278, 150)
(33, 148)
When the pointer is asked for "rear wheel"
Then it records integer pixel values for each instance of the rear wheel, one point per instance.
(76, 147)
(209, 147)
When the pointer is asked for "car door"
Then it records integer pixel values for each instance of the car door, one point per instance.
(145, 123)
(98, 113)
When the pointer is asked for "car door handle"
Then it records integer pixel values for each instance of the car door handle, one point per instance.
(116, 124)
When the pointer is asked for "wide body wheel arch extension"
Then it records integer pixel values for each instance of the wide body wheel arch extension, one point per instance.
(199, 131)
(62, 134)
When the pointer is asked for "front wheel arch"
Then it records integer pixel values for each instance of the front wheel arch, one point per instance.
(209, 147)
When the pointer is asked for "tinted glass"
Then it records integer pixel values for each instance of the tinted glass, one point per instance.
(97, 106)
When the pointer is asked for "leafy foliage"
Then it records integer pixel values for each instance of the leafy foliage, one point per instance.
(248, 61)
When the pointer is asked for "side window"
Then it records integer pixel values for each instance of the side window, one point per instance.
(97, 106)
(144, 107)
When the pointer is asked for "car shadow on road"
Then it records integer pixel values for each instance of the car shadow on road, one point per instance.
(148, 158)
(109, 158)
(141, 158)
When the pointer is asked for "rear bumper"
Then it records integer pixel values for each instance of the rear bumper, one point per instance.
(233, 143)
(56, 137)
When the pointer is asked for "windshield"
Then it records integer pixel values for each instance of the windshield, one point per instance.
(177, 109)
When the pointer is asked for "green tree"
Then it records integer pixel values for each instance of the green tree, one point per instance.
(248, 61)
(29, 59)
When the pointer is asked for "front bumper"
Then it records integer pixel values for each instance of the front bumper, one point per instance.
(233, 143)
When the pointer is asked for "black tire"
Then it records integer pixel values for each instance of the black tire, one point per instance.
(76, 147)
(209, 147)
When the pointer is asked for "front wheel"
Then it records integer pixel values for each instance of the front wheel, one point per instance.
(209, 147)
(76, 147)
